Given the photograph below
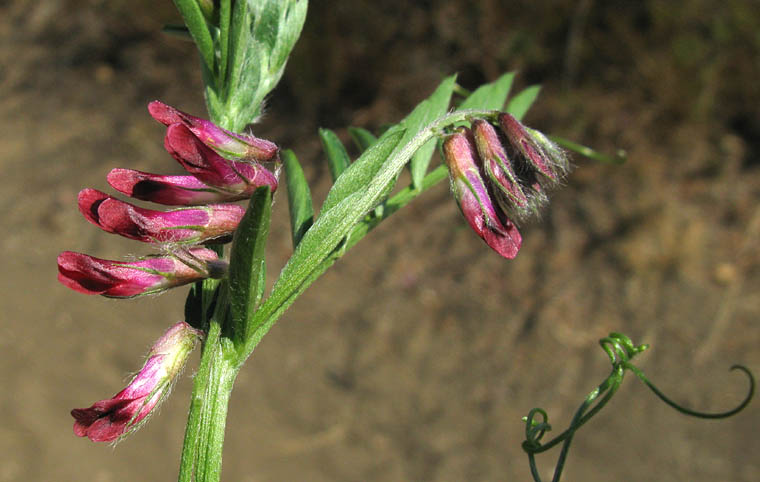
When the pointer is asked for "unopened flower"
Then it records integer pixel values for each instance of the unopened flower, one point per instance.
(531, 148)
(516, 195)
(168, 190)
(110, 419)
(212, 169)
(126, 279)
(499, 177)
(242, 146)
(186, 225)
(474, 198)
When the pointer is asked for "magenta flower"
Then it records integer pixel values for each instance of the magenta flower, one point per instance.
(536, 151)
(187, 225)
(512, 197)
(243, 146)
(126, 279)
(212, 169)
(473, 196)
(168, 190)
(110, 419)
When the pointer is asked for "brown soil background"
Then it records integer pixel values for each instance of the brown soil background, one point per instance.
(416, 355)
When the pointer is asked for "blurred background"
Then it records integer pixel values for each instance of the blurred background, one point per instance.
(416, 355)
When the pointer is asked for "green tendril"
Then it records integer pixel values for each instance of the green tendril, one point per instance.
(620, 350)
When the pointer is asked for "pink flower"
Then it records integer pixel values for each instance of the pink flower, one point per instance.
(243, 146)
(473, 196)
(211, 168)
(123, 279)
(187, 225)
(511, 194)
(169, 190)
(534, 150)
(110, 419)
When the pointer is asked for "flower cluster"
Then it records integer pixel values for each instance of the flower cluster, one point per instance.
(206, 216)
(500, 177)
(222, 167)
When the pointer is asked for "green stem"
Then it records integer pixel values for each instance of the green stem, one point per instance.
(204, 435)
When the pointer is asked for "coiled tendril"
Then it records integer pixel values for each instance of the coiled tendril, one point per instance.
(620, 350)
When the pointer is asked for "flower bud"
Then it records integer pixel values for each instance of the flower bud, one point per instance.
(185, 226)
(110, 419)
(474, 198)
(534, 149)
(122, 279)
(243, 146)
(168, 190)
(213, 169)
(514, 195)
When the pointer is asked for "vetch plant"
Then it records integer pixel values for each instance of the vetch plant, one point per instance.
(501, 173)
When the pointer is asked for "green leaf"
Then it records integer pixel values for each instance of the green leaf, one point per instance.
(247, 265)
(337, 157)
(196, 24)
(520, 103)
(224, 39)
(490, 96)
(362, 137)
(426, 112)
(299, 197)
(364, 169)
(262, 35)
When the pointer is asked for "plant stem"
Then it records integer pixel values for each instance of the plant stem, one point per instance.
(204, 435)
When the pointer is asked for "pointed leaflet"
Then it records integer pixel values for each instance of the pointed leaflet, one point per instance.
(262, 34)
(225, 14)
(246, 270)
(362, 138)
(299, 197)
(426, 112)
(364, 169)
(358, 175)
(490, 96)
(521, 102)
(196, 25)
(337, 157)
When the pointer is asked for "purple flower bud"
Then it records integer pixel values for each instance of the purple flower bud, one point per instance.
(169, 190)
(243, 146)
(122, 279)
(473, 196)
(187, 225)
(501, 173)
(211, 168)
(536, 150)
(110, 419)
